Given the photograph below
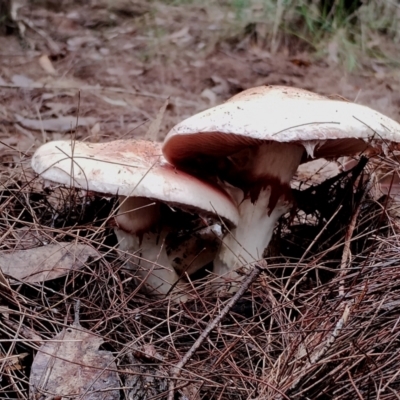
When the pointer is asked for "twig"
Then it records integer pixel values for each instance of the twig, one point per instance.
(349, 234)
(317, 355)
(251, 277)
(359, 395)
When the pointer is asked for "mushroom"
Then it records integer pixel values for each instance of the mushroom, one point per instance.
(144, 181)
(254, 143)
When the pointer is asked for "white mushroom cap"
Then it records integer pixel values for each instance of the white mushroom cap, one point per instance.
(130, 168)
(325, 127)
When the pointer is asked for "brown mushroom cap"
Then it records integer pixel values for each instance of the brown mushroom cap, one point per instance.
(325, 127)
(133, 169)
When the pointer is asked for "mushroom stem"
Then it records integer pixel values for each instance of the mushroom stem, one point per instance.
(263, 177)
(137, 234)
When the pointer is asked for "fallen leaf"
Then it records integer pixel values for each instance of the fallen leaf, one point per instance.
(315, 172)
(56, 109)
(23, 331)
(4, 284)
(46, 262)
(63, 124)
(95, 132)
(126, 8)
(72, 366)
(21, 80)
(154, 128)
(49, 96)
(115, 71)
(25, 238)
(221, 85)
(151, 352)
(4, 312)
(143, 381)
(136, 72)
(181, 37)
(198, 63)
(77, 42)
(13, 362)
(209, 95)
(46, 64)
(115, 102)
(300, 62)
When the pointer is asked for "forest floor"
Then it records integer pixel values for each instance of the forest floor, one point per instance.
(101, 71)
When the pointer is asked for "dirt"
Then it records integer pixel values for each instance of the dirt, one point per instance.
(118, 64)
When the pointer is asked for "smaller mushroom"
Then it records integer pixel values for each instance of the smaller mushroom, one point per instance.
(147, 186)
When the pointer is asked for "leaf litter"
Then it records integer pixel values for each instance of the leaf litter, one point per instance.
(289, 333)
(70, 365)
(61, 124)
(47, 262)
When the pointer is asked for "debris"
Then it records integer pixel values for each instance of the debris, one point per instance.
(21, 80)
(23, 330)
(95, 131)
(250, 278)
(315, 172)
(114, 102)
(72, 365)
(63, 124)
(46, 262)
(47, 65)
(154, 128)
(25, 238)
(143, 381)
(209, 95)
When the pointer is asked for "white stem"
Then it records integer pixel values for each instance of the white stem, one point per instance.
(270, 168)
(138, 236)
(247, 242)
(148, 254)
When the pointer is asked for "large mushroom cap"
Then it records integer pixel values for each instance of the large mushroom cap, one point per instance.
(130, 168)
(325, 127)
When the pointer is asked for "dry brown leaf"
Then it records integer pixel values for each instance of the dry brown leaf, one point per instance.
(181, 37)
(72, 366)
(154, 128)
(13, 362)
(45, 263)
(209, 95)
(63, 124)
(5, 313)
(95, 132)
(25, 238)
(316, 172)
(21, 80)
(221, 85)
(4, 284)
(46, 64)
(115, 102)
(116, 71)
(151, 352)
(56, 109)
(22, 330)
